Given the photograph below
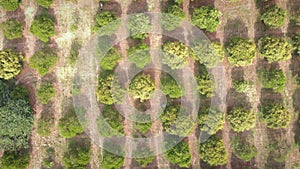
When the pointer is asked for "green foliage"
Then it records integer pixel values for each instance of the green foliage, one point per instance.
(139, 55)
(278, 148)
(296, 43)
(241, 119)
(145, 153)
(142, 87)
(69, 125)
(178, 1)
(206, 17)
(274, 17)
(176, 121)
(175, 55)
(275, 49)
(110, 123)
(15, 124)
(213, 151)
(242, 86)
(111, 58)
(211, 120)
(109, 91)
(296, 17)
(10, 64)
(12, 29)
(170, 87)
(209, 54)
(273, 79)
(205, 85)
(44, 3)
(77, 155)
(143, 123)
(43, 61)
(43, 27)
(49, 159)
(111, 161)
(15, 159)
(9, 5)
(180, 154)
(19, 92)
(74, 52)
(139, 25)
(44, 126)
(243, 149)
(106, 23)
(241, 51)
(46, 93)
(172, 18)
(276, 116)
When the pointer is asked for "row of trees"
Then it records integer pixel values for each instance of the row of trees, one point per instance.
(12, 5)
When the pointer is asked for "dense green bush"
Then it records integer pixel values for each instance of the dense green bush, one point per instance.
(45, 93)
(276, 116)
(241, 51)
(274, 17)
(273, 79)
(296, 43)
(243, 149)
(77, 154)
(242, 86)
(9, 5)
(211, 120)
(19, 92)
(43, 27)
(139, 55)
(206, 85)
(110, 123)
(12, 29)
(15, 159)
(145, 153)
(69, 126)
(143, 123)
(208, 53)
(279, 148)
(142, 87)
(170, 87)
(111, 161)
(109, 91)
(10, 64)
(241, 119)
(110, 60)
(275, 49)
(44, 126)
(175, 55)
(106, 23)
(172, 18)
(44, 3)
(139, 25)
(213, 151)
(180, 155)
(206, 17)
(43, 61)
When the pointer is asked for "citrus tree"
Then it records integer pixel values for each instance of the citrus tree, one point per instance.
(180, 155)
(9, 5)
(69, 125)
(139, 25)
(15, 159)
(243, 149)
(276, 116)
(273, 79)
(206, 17)
(111, 160)
(106, 23)
(139, 55)
(45, 93)
(142, 87)
(274, 17)
(144, 153)
(43, 27)
(175, 55)
(12, 29)
(170, 87)
(241, 119)
(211, 120)
(110, 60)
(43, 61)
(242, 86)
(10, 64)
(44, 3)
(172, 18)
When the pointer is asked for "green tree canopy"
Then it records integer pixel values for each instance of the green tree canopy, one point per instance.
(206, 85)
(180, 155)
(69, 126)
(243, 149)
(242, 86)
(110, 122)
(43, 27)
(12, 29)
(139, 55)
(15, 159)
(175, 55)
(46, 93)
(213, 151)
(139, 25)
(170, 87)
(110, 60)
(211, 120)
(106, 23)
(77, 154)
(206, 17)
(273, 79)
(10, 64)
(142, 87)
(296, 17)
(241, 51)
(111, 161)
(44, 3)
(9, 5)
(143, 123)
(145, 153)
(276, 116)
(275, 49)
(172, 18)
(241, 119)
(274, 17)
(43, 61)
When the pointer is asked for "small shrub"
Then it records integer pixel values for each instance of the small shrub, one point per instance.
(49, 159)
(43, 27)
(180, 155)
(12, 29)
(242, 86)
(9, 5)
(43, 61)
(273, 79)
(175, 55)
(211, 120)
(142, 87)
(170, 87)
(296, 17)
(15, 159)
(241, 119)
(44, 3)
(45, 124)
(143, 123)
(74, 52)
(139, 25)
(206, 17)
(10, 64)
(243, 149)
(46, 93)
(139, 55)
(106, 23)
(110, 60)
(274, 17)
(276, 116)
(205, 85)
(172, 18)
(19, 93)
(111, 160)
(69, 125)
(241, 51)
(143, 152)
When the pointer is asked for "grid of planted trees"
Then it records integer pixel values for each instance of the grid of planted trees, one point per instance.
(256, 42)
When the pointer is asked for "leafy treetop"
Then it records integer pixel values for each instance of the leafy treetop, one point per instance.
(206, 17)
(10, 64)
(172, 18)
(276, 116)
(142, 87)
(139, 25)
(175, 54)
(139, 55)
(274, 17)
(43, 27)
(12, 29)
